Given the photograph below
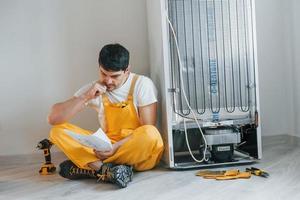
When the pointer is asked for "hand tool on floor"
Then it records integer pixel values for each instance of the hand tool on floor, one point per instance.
(213, 174)
(224, 175)
(243, 175)
(48, 167)
(258, 172)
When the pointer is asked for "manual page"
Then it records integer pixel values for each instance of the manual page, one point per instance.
(97, 140)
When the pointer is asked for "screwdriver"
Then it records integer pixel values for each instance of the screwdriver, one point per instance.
(258, 172)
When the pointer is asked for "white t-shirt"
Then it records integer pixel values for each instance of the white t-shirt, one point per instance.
(144, 94)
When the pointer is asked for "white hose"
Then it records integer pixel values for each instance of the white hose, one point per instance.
(186, 100)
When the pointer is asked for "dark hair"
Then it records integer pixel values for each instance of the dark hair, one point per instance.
(114, 57)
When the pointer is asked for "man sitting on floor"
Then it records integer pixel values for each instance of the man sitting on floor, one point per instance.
(126, 104)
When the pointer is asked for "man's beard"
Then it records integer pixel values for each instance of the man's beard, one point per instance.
(110, 87)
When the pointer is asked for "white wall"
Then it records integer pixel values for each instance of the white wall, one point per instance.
(296, 59)
(275, 66)
(48, 49)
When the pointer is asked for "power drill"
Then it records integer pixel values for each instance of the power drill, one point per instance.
(47, 168)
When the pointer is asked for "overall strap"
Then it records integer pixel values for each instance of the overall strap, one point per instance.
(105, 99)
(134, 79)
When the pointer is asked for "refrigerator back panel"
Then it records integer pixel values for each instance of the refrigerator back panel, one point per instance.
(216, 44)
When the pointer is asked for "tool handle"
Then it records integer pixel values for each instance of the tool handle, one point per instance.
(244, 175)
(47, 156)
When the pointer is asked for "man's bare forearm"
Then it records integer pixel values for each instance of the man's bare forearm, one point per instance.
(64, 111)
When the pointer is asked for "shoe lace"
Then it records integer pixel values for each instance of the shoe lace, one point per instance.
(77, 170)
(103, 176)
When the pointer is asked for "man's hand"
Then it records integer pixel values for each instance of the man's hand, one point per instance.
(96, 90)
(102, 155)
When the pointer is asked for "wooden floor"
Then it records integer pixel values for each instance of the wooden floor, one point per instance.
(281, 158)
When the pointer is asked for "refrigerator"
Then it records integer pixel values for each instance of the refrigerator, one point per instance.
(203, 62)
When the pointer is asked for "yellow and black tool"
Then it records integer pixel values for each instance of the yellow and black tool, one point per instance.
(224, 175)
(48, 167)
(239, 175)
(258, 172)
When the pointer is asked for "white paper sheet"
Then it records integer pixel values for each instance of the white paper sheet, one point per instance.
(97, 140)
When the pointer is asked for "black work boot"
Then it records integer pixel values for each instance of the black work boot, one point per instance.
(70, 171)
(121, 175)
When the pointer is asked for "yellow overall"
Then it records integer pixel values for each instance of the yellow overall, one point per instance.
(143, 150)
